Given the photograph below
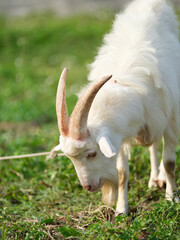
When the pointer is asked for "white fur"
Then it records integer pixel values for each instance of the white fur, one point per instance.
(106, 147)
(142, 53)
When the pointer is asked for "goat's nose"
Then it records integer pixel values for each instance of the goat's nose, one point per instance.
(87, 187)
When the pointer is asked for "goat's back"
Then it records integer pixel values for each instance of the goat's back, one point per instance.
(144, 40)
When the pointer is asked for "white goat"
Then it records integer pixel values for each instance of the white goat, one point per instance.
(140, 102)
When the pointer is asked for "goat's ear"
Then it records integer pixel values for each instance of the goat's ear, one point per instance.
(106, 147)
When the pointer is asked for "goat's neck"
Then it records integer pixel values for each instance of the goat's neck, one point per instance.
(124, 119)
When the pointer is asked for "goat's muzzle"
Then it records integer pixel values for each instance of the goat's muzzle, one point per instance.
(94, 186)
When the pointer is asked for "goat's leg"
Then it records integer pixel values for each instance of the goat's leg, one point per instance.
(158, 175)
(161, 175)
(169, 157)
(153, 181)
(123, 172)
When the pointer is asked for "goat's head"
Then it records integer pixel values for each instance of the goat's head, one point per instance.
(89, 153)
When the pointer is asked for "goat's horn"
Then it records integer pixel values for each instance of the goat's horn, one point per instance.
(61, 108)
(78, 120)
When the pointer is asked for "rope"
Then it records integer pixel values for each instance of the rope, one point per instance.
(49, 155)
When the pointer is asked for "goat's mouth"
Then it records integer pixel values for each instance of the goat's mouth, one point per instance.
(94, 188)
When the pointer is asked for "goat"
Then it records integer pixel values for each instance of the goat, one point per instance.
(137, 100)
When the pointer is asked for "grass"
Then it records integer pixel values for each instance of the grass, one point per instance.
(43, 199)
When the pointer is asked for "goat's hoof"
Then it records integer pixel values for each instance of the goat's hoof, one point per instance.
(161, 183)
(153, 183)
(174, 198)
(121, 212)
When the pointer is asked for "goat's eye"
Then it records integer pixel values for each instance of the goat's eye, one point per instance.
(91, 155)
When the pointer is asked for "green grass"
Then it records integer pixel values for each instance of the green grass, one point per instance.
(43, 199)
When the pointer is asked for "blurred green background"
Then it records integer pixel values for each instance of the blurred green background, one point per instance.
(34, 51)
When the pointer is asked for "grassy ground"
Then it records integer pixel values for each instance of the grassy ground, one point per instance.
(43, 199)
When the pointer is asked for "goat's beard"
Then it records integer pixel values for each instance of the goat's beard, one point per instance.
(110, 189)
